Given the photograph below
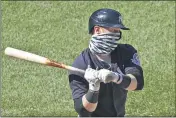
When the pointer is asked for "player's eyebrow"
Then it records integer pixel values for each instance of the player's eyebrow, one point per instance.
(114, 30)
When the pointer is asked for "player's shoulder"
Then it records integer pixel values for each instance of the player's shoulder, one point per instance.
(127, 48)
(81, 61)
(82, 58)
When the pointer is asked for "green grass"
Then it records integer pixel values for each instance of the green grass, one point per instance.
(58, 30)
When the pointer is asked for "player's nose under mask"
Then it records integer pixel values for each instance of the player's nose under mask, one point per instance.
(104, 43)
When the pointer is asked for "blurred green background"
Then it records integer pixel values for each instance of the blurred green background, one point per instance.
(59, 30)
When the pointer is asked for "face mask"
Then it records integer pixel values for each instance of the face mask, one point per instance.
(104, 43)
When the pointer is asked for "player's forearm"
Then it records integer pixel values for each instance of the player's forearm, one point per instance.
(87, 105)
(128, 82)
(133, 84)
(90, 99)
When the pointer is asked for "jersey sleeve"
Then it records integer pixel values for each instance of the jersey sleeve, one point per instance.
(77, 82)
(133, 66)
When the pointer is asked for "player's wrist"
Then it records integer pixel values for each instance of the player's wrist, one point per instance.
(123, 80)
(117, 78)
(94, 86)
(92, 96)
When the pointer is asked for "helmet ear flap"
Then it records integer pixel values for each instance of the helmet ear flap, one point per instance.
(91, 25)
(91, 31)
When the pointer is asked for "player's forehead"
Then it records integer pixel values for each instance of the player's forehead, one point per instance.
(112, 28)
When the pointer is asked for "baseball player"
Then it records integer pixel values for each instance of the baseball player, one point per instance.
(111, 69)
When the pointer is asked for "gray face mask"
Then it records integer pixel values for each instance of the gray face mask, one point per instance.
(104, 43)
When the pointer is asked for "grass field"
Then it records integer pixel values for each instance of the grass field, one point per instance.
(58, 30)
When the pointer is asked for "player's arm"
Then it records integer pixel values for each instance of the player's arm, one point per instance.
(133, 77)
(90, 99)
(131, 81)
(85, 94)
(128, 81)
(133, 71)
(84, 88)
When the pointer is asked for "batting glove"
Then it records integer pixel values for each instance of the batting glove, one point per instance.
(107, 76)
(91, 75)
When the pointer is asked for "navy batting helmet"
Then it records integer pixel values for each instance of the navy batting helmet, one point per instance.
(106, 18)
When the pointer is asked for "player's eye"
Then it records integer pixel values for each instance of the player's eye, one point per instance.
(116, 31)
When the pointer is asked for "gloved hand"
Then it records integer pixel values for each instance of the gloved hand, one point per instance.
(91, 75)
(108, 76)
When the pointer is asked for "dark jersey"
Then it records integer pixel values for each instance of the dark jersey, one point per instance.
(112, 97)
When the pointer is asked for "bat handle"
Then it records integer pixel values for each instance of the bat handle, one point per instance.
(75, 69)
(61, 65)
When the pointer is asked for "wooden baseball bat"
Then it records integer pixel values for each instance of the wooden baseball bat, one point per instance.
(38, 59)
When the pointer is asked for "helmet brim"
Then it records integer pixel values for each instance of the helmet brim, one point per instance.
(121, 26)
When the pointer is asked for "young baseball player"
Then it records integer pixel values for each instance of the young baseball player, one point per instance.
(111, 69)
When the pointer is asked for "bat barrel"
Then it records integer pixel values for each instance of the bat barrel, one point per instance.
(38, 59)
(25, 55)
